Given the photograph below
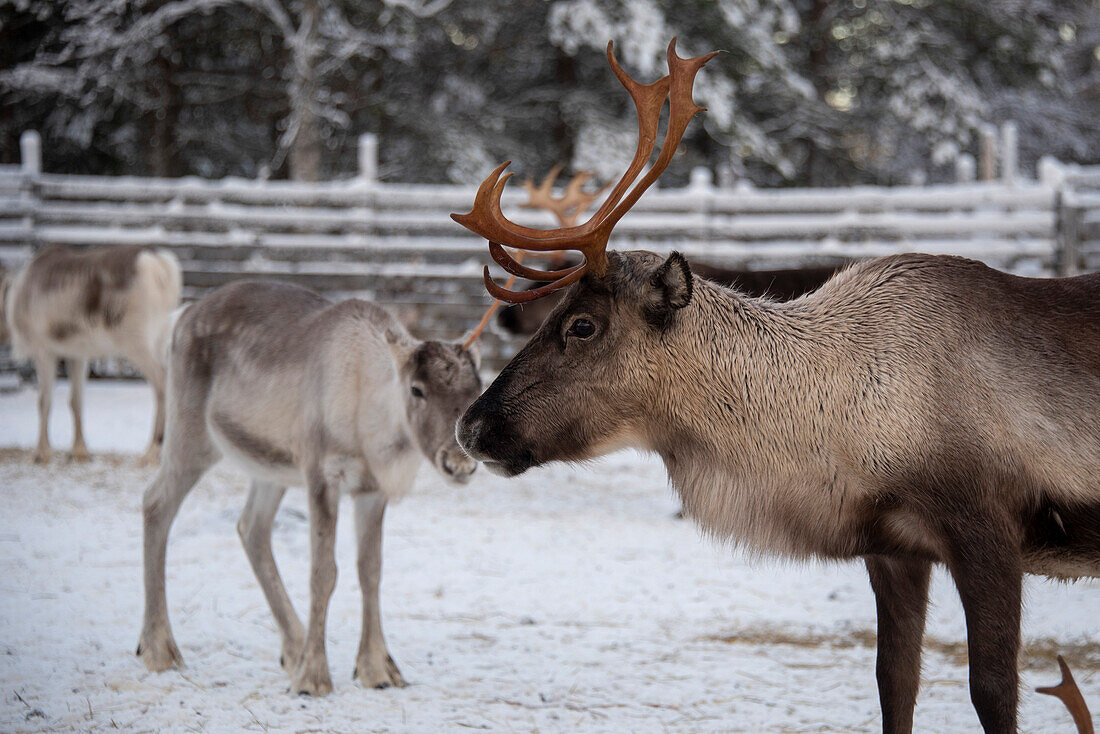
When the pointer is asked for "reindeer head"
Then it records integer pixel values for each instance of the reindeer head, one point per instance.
(440, 380)
(584, 384)
(579, 387)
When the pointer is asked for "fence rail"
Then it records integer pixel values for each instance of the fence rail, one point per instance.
(396, 244)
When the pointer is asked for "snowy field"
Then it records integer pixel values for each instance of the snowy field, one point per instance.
(565, 600)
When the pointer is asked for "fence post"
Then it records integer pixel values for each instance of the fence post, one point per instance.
(368, 157)
(964, 168)
(1009, 152)
(1068, 232)
(987, 154)
(1051, 172)
(30, 148)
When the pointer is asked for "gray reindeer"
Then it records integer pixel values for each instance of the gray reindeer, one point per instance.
(297, 390)
(913, 410)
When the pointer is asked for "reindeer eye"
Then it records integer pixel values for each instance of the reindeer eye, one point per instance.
(581, 328)
(417, 392)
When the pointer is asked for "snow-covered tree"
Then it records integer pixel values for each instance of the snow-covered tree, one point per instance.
(807, 91)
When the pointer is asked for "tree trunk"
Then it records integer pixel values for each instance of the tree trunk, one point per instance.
(305, 149)
(161, 122)
(165, 118)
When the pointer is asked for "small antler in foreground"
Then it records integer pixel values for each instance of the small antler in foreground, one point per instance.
(1071, 696)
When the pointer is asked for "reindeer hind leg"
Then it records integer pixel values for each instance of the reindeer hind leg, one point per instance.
(254, 527)
(188, 454)
(78, 375)
(45, 368)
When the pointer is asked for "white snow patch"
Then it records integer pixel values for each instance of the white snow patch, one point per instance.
(567, 599)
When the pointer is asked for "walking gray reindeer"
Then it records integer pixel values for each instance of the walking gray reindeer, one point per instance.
(298, 390)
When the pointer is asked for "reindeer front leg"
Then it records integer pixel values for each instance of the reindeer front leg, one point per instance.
(156, 374)
(985, 561)
(901, 596)
(374, 667)
(311, 675)
(45, 368)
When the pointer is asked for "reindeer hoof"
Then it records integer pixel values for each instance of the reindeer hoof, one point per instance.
(379, 676)
(159, 656)
(311, 680)
(81, 455)
(42, 456)
(149, 458)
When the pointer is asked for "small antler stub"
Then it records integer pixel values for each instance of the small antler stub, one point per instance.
(1071, 696)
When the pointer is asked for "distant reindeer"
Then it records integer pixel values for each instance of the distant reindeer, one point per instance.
(78, 305)
(297, 390)
(914, 410)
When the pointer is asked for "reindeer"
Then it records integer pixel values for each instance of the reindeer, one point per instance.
(297, 390)
(79, 305)
(914, 410)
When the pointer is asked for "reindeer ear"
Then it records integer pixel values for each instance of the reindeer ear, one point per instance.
(400, 343)
(672, 285)
(474, 350)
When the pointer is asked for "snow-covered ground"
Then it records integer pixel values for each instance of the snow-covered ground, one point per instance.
(565, 600)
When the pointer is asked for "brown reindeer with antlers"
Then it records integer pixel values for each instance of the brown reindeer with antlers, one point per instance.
(914, 410)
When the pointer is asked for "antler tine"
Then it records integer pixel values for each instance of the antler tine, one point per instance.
(681, 108)
(575, 201)
(512, 265)
(495, 227)
(504, 294)
(590, 239)
(547, 184)
(540, 197)
(476, 333)
(1068, 692)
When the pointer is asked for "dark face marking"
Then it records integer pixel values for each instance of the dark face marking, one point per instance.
(442, 382)
(580, 386)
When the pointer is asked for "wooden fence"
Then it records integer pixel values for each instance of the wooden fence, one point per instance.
(395, 244)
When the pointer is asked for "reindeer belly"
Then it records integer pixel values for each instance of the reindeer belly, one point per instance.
(260, 456)
(1062, 539)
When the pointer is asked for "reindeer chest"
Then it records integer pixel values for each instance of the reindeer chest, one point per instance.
(392, 464)
(801, 515)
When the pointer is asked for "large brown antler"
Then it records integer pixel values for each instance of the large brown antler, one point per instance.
(590, 238)
(568, 207)
(1071, 696)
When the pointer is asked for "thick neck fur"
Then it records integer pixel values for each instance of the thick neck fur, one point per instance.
(755, 418)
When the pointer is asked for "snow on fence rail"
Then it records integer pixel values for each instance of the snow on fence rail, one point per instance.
(396, 244)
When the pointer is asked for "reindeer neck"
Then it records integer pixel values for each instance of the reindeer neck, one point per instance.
(750, 412)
